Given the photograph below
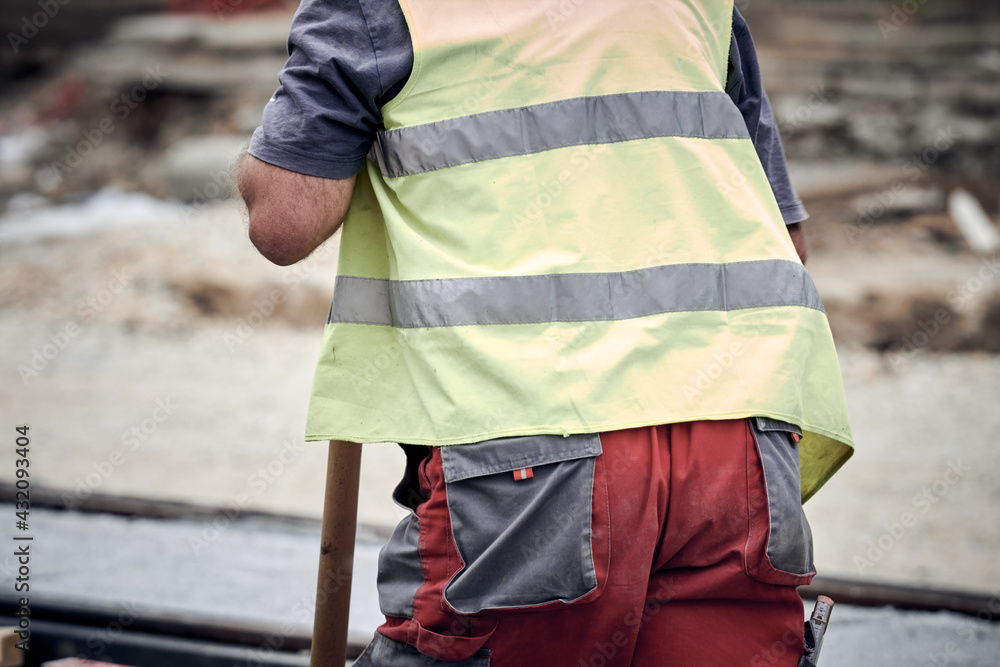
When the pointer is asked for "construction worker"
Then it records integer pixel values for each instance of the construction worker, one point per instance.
(570, 283)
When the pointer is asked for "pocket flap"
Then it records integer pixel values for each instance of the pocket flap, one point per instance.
(506, 454)
(768, 424)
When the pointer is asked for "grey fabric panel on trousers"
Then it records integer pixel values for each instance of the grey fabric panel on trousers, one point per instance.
(508, 454)
(524, 542)
(790, 542)
(578, 121)
(399, 569)
(573, 297)
(383, 652)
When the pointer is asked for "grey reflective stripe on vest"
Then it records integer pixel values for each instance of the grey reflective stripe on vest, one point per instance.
(572, 297)
(541, 127)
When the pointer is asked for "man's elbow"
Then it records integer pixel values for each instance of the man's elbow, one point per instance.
(273, 250)
(291, 214)
(274, 238)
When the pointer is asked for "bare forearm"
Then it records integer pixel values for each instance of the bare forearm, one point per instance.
(798, 240)
(291, 214)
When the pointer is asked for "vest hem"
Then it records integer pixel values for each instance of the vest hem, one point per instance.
(841, 438)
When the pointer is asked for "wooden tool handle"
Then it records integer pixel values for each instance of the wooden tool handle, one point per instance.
(336, 560)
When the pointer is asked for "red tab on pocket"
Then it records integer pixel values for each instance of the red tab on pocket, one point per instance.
(523, 473)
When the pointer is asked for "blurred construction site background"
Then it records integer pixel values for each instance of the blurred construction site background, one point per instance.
(157, 357)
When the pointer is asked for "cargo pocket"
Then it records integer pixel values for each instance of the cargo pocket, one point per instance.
(399, 571)
(383, 652)
(780, 545)
(524, 523)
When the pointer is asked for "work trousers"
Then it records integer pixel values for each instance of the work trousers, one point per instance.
(676, 545)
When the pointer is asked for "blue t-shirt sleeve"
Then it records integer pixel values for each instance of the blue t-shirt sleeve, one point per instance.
(748, 93)
(345, 60)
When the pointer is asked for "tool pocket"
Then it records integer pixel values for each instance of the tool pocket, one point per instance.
(780, 545)
(529, 527)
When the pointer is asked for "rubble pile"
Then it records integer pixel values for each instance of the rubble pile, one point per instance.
(915, 83)
(885, 109)
(161, 104)
(41, 34)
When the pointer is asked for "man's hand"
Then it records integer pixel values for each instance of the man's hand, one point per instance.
(798, 240)
(291, 214)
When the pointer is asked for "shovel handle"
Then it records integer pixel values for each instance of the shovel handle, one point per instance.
(336, 560)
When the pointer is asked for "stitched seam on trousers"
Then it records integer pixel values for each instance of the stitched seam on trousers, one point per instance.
(607, 531)
(414, 623)
(751, 452)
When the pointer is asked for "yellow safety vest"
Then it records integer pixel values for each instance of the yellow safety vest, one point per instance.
(565, 228)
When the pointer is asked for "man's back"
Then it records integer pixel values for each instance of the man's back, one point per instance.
(564, 270)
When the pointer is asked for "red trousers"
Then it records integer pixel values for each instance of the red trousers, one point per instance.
(674, 545)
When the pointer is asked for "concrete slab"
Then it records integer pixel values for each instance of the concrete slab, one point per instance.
(246, 570)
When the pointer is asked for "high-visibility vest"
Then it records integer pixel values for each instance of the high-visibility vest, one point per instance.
(565, 228)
